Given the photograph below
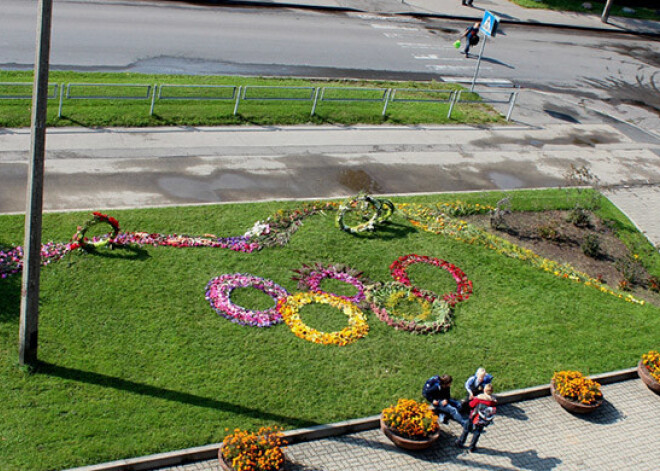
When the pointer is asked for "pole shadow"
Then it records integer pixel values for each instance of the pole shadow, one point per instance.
(99, 379)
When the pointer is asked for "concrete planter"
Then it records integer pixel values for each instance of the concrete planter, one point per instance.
(647, 379)
(408, 443)
(573, 406)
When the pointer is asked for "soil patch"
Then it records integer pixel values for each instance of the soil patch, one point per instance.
(551, 235)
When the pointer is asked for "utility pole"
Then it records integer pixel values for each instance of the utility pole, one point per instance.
(606, 11)
(29, 318)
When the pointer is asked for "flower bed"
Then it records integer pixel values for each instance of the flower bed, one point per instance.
(309, 278)
(651, 362)
(218, 294)
(289, 308)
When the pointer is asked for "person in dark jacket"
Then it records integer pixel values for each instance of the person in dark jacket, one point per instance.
(471, 35)
(483, 409)
(476, 383)
(442, 403)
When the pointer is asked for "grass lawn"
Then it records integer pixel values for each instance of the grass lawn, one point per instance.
(596, 9)
(136, 362)
(254, 110)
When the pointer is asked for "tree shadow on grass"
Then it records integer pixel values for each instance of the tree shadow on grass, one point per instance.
(126, 252)
(10, 297)
(99, 379)
(388, 231)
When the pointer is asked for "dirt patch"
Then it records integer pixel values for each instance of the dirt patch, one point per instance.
(551, 235)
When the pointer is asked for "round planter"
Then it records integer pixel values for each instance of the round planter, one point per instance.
(572, 406)
(224, 466)
(647, 379)
(408, 443)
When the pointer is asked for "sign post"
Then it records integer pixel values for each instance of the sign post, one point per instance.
(488, 27)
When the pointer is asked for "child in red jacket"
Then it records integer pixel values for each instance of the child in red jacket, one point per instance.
(483, 409)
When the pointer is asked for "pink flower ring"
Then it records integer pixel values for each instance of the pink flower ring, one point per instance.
(218, 293)
(311, 280)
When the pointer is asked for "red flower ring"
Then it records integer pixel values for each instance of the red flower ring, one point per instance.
(463, 285)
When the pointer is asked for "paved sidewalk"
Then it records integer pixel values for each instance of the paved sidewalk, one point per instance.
(535, 435)
(508, 12)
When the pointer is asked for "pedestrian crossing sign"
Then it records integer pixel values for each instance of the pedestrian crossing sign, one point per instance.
(489, 24)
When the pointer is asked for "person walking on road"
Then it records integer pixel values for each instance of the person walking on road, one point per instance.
(471, 35)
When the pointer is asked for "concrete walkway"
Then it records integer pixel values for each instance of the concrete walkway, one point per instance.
(508, 12)
(535, 435)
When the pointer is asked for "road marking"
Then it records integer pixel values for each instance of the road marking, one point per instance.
(438, 58)
(445, 67)
(400, 28)
(491, 81)
(418, 45)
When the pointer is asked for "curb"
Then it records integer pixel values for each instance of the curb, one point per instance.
(208, 452)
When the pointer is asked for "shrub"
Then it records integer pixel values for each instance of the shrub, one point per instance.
(575, 387)
(548, 231)
(631, 269)
(579, 217)
(591, 245)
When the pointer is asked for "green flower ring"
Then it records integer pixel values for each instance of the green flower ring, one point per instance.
(373, 211)
(289, 308)
(107, 239)
(436, 315)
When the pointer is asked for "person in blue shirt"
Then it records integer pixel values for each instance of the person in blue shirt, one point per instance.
(442, 403)
(476, 383)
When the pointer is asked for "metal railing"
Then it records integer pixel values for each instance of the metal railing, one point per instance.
(23, 90)
(259, 93)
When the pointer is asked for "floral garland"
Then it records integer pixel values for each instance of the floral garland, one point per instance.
(11, 261)
(463, 285)
(385, 299)
(431, 220)
(237, 244)
(381, 212)
(218, 294)
(289, 308)
(309, 278)
(99, 218)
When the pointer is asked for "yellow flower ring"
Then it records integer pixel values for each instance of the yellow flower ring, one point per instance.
(289, 308)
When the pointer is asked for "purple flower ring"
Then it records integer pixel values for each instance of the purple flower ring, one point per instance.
(310, 277)
(218, 293)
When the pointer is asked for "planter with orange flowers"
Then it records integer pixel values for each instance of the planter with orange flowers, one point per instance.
(575, 392)
(648, 369)
(410, 424)
(252, 451)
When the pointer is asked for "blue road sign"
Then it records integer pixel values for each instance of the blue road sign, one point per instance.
(489, 24)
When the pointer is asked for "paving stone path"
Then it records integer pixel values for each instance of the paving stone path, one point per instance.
(535, 435)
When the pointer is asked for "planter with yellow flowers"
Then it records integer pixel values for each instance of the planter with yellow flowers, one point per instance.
(252, 451)
(649, 370)
(410, 424)
(575, 392)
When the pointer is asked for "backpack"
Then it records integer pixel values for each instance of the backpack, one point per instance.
(485, 413)
(431, 383)
(474, 40)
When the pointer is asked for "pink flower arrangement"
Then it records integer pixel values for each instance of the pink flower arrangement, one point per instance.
(218, 294)
(309, 278)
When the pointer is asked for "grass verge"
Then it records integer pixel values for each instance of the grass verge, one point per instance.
(136, 362)
(263, 106)
(596, 8)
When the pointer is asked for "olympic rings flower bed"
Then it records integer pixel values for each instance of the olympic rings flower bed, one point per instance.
(463, 285)
(357, 328)
(218, 293)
